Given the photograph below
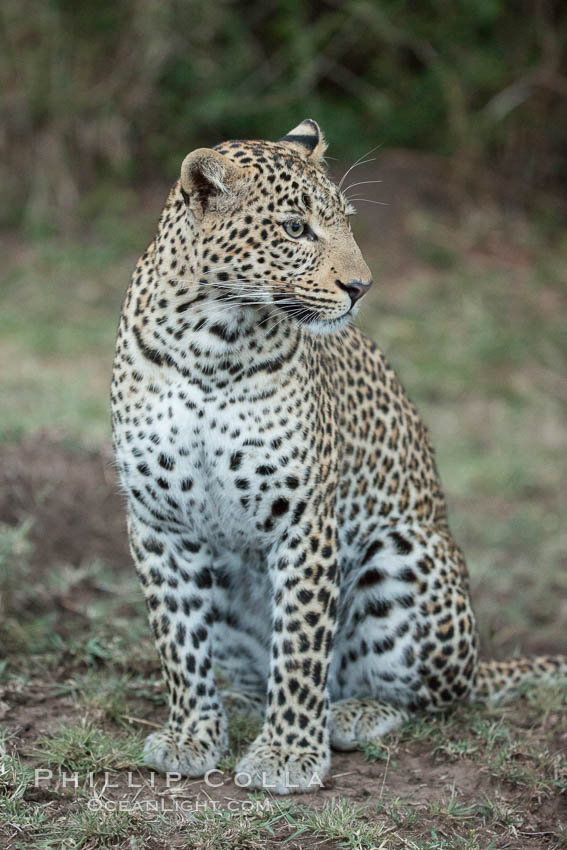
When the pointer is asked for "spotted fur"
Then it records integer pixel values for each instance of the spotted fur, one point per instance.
(285, 514)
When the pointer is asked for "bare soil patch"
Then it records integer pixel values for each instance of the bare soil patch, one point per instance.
(72, 499)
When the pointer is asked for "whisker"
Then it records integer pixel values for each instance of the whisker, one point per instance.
(368, 201)
(360, 161)
(360, 183)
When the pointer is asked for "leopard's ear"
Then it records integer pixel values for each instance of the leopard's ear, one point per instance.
(209, 180)
(307, 140)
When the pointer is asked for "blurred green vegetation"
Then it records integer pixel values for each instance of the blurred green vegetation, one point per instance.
(114, 92)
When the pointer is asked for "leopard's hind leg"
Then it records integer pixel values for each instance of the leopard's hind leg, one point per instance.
(406, 640)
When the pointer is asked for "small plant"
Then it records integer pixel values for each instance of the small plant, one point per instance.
(85, 749)
(376, 751)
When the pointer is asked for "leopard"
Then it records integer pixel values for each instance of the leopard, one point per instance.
(285, 514)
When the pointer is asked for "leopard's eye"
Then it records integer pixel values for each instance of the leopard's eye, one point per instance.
(295, 228)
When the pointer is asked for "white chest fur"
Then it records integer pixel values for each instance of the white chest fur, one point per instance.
(208, 460)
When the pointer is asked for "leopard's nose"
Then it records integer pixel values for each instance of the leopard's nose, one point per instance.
(355, 288)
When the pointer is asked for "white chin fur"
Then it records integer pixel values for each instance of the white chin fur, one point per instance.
(328, 326)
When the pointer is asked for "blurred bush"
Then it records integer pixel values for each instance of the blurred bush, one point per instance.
(114, 92)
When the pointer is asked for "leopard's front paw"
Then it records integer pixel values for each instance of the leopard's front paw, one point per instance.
(282, 770)
(189, 753)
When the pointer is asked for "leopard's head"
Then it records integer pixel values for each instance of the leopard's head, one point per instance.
(272, 229)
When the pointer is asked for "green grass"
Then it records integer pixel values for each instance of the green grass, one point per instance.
(105, 829)
(86, 748)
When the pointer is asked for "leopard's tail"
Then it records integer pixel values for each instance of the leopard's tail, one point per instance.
(496, 680)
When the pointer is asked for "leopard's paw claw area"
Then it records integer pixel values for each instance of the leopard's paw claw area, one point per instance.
(188, 754)
(282, 770)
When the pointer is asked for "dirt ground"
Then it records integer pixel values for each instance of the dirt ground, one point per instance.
(73, 497)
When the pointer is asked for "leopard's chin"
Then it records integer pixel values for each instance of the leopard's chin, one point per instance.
(328, 326)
